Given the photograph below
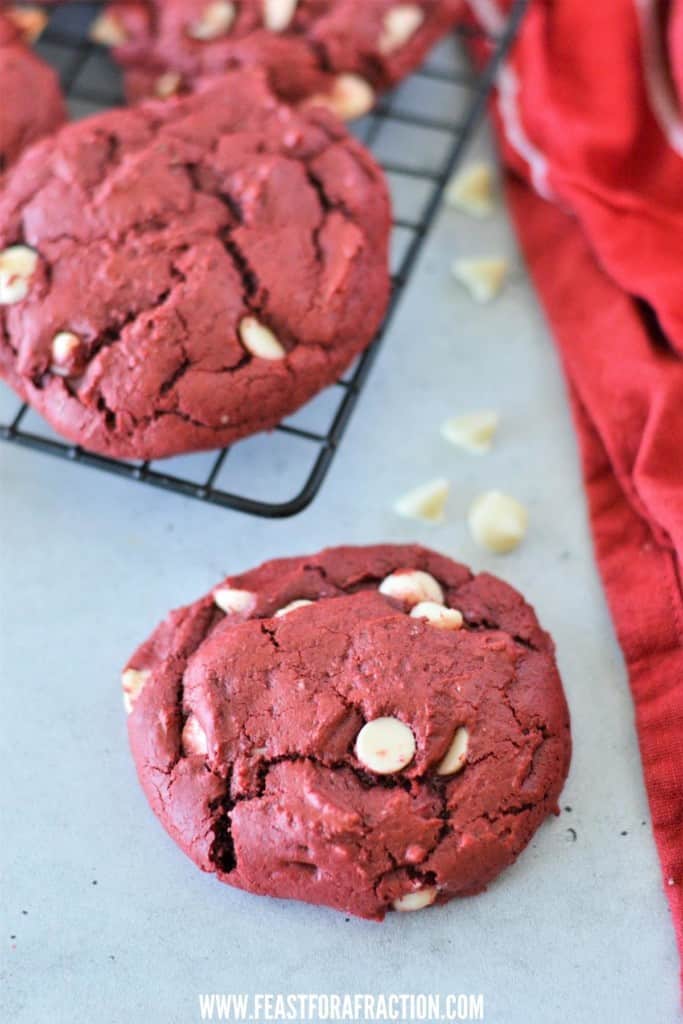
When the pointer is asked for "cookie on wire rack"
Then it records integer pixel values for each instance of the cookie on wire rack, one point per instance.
(179, 275)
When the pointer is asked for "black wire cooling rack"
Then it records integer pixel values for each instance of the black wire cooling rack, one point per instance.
(419, 134)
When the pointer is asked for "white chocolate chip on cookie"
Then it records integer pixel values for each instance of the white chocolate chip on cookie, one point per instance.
(350, 97)
(29, 20)
(292, 607)
(17, 266)
(483, 279)
(438, 615)
(412, 586)
(399, 25)
(233, 601)
(216, 20)
(133, 683)
(385, 745)
(426, 502)
(277, 14)
(498, 522)
(456, 755)
(474, 431)
(259, 340)
(167, 84)
(65, 345)
(107, 30)
(417, 900)
(193, 737)
(471, 190)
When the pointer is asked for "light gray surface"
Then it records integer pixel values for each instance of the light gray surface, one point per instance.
(575, 931)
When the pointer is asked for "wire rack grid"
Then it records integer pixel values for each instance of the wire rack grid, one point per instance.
(418, 133)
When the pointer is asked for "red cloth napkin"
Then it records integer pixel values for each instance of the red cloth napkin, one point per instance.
(589, 111)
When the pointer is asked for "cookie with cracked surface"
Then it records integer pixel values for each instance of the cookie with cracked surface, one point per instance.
(31, 104)
(312, 730)
(180, 275)
(325, 49)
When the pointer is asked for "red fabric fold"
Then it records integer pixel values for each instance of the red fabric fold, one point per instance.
(588, 114)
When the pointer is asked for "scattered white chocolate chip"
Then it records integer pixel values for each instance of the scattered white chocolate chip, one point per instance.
(17, 266)
(277, 14)
(417, 900)
(233, 601)
(426, 502)
(29, 20)
(471, 190)
(193, 737)
(456, 755)
(350, 97)
(292, 607)
(107, 30)
(399, 24)
(133, 682)
(260, 340)
(483, 279)
(474, 431)
(216, 21)
(64, 345)
(385, 745)
(412, 586)
(438, 615)
(167, 84)
(497, 521)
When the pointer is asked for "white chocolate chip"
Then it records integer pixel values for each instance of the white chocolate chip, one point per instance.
(108, 31)
(260, 340)
(193, 737)
(417, 900)
(456, 755)
(437, 615)
(216, 21)
(233, 601)
(385, 745)
(472, 190)
(426, 502)
(29, 20)
(64, 346)
(167, 85)
(292, 607)
(350, 97)
(399, 25)
(483, 279)
(412, 586)
(133, 682)
(474, 431)
(17, 266)
(277, 14)
(497, 521)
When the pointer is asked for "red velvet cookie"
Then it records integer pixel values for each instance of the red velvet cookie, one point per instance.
(367, 728)
(340, 52)
(180, 275)
(30, 98)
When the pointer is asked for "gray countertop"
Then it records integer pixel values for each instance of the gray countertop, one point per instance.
(103, 918)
